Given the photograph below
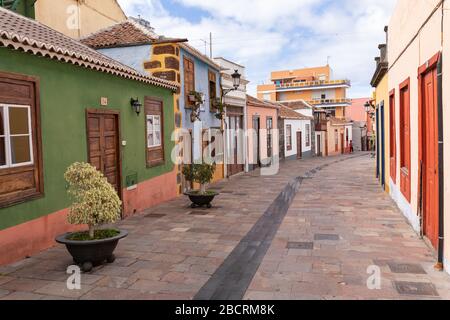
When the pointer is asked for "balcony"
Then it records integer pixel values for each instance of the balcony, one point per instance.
(330, 102)
(312, 84)
(321, 125)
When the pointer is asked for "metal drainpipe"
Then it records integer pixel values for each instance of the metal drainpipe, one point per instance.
(440, 264)
(441, 166)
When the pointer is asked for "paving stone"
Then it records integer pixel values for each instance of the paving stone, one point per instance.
(24, 285)
(326, 237)
(27, 296)
(155, 216)
(415, 288)
(300, 245)
(4, 293)
(60, 289)
(103, 293)
(406, 268)
(5, 279)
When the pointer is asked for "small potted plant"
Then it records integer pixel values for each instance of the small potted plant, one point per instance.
(201, 174)
(95, 203)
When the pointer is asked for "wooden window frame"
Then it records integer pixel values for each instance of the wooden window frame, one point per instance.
(405, 141)
(308, 135)
(159, 162)
(392, 136)
(289, 137)
(336, 140)
(212, 78)
(186, 60)
(36, 167)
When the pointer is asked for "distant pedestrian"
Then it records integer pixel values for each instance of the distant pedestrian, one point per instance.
(351, 146)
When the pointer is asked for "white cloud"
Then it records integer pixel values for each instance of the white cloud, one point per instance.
(267, 35)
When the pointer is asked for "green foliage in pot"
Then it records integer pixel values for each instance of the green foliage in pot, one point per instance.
(199, 173)
(94, 199)
(219, 108)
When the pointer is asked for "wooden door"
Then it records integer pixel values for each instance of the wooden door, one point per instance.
(342, 144)
(299, 145)
(256, 145)
(103, 145)
(319, 147)
(430, 157)
(236, 123)
(405, 141)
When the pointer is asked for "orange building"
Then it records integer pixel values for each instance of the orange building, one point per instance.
(313, 85)
(316, 87)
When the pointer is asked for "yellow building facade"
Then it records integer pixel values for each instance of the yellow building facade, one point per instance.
(78, 18)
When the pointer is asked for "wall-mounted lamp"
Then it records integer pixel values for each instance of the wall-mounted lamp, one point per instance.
(136, 105)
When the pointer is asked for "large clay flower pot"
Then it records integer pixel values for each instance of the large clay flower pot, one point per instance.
(90, 253)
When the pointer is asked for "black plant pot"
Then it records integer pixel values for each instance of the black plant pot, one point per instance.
(91, 253)
(201, 200)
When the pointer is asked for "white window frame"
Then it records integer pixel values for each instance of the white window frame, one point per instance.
(290, 146)
(7, 136)
(154, 116)
(308, 135)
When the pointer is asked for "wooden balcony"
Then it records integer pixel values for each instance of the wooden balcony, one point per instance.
(321, 126)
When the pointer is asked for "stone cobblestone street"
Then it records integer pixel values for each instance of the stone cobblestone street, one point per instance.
(309, 232)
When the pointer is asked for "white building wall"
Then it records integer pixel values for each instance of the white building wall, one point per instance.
(298, 126)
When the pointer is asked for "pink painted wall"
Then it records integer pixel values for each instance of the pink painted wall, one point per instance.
(29, 238)
(356, 111)
(150, 193)
(263, 114)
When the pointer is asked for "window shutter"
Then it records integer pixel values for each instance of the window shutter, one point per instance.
(189, 80)
(155, 155)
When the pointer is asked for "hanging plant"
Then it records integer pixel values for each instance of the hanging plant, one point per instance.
(219, 108)
(196, 98)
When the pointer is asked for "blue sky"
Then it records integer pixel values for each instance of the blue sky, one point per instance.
(266, 35)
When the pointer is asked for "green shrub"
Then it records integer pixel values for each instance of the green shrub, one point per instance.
(200, 173)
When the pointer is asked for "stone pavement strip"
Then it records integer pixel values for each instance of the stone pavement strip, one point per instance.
(256, 244)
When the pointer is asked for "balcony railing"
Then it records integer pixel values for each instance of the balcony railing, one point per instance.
(317, 102)
(317, 83)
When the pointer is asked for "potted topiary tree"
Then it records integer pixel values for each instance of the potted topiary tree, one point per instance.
(201, 174)
(95, 203)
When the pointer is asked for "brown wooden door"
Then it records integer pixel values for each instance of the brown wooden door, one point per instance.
(299, 145)
(257, 143)
(319, 146)
(103, 145)
(430, 157)
(342, 144)
(236, 124)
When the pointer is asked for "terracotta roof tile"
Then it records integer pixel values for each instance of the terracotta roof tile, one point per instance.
(125, 33)
(287, 113)
(297, 105)
(254, 102)
(24, 34)
(137, 32)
